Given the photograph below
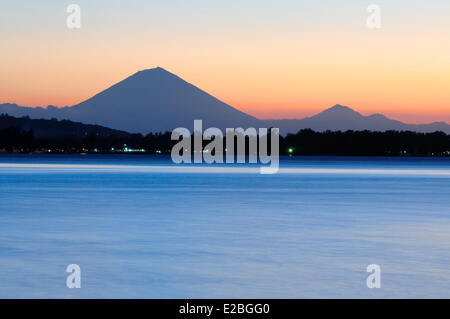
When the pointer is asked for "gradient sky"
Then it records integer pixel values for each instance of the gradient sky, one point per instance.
(272, 59)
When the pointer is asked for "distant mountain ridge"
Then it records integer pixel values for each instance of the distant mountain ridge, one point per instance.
(156, 100)
(342, 118)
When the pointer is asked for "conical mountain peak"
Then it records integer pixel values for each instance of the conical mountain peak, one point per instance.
(155, 100)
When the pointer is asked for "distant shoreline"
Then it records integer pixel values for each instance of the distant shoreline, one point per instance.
(167, 155)
(24, 135)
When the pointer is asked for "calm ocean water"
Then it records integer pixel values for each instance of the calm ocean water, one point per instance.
(138, 232)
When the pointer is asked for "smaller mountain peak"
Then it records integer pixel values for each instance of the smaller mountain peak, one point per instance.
(340, 107)
(339, 111)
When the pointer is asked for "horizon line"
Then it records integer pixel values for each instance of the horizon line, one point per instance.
(316, 112)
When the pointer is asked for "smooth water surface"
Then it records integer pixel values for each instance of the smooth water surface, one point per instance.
(156, 233)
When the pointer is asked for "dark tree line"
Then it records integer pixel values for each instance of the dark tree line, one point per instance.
(389, 143)
(305, 142)
(14, 139)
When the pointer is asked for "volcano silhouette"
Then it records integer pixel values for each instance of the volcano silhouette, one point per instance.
(156, 100)
(150, 100)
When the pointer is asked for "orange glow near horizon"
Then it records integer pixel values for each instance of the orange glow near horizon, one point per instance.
(293, 71)
(409, 109)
